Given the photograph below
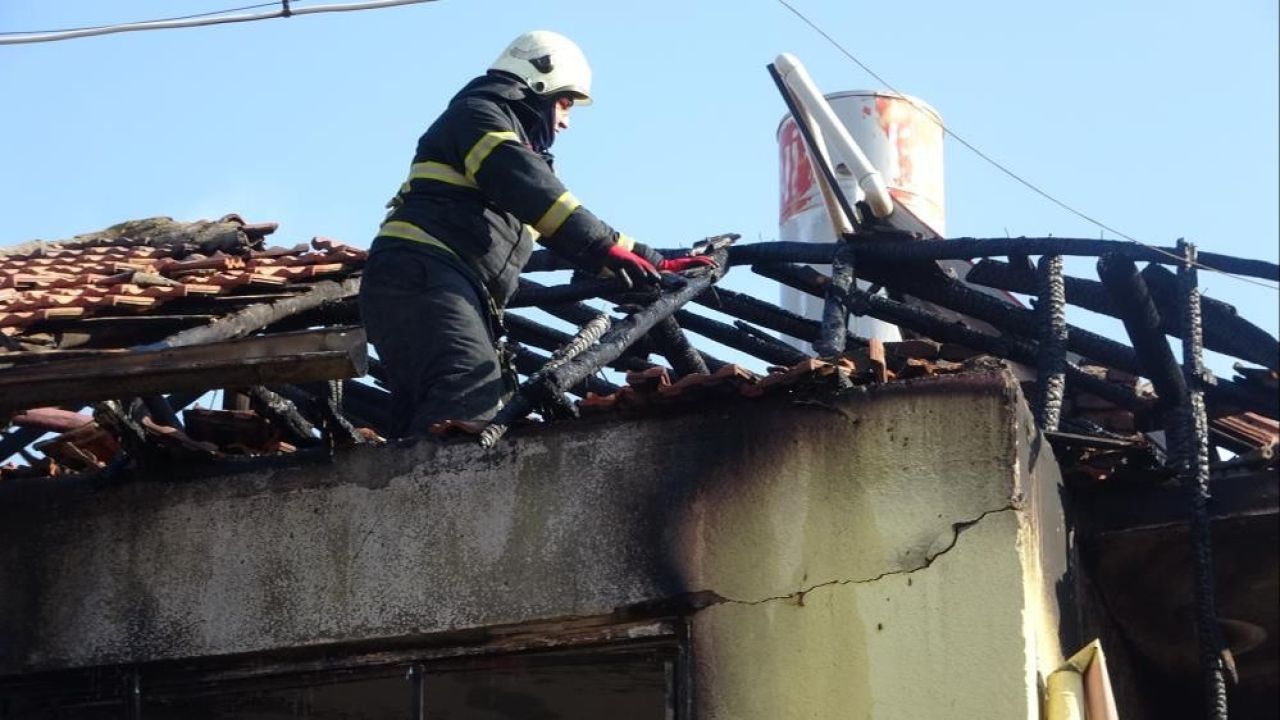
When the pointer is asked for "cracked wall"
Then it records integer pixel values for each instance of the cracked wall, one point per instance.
(925, 643)
(894, 565)
(893, 558)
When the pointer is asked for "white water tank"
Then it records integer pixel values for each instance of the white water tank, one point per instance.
(902, 137)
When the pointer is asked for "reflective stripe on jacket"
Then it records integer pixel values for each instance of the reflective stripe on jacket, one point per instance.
(476, 187)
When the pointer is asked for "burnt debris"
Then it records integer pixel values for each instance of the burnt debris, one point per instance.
(88, 321)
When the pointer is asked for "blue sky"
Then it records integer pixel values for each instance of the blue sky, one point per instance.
(1158, 118)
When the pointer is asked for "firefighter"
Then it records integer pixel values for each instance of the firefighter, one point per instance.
(449, 254)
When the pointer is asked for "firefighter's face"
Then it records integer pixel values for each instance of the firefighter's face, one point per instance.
(563, 105)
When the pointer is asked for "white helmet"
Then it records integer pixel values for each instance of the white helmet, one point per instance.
(549, 63)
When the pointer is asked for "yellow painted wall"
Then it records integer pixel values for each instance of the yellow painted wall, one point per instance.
(898, 577)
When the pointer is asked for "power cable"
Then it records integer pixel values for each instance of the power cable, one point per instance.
(994, 163)
(198, 20)
(180, 17)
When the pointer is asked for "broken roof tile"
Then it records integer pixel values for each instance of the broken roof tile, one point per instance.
(809, 370)
(724, 381)
(877, 363)
(87, 447)
(914, 368)
(1249, 428)
(51, 419)
(241, 432)
(598, 403)
(648, 380)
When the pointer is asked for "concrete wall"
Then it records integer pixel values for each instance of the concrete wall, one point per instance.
(900, 561)
(893, 553)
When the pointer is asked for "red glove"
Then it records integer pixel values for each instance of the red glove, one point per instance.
(677, 265)
(630, 266)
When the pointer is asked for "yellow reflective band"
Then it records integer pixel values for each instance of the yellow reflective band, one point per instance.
(533, 233)
(432, 170)
(555, 216)
(408, 231)
(482, 148)
(627, 242)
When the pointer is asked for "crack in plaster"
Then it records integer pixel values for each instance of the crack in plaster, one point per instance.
(364, 540)
(957, 529)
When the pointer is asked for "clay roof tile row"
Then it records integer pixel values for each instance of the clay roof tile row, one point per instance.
(65, 282)
(653, 386)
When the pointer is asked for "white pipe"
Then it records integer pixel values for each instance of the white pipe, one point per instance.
(806, 93)
(198, 22)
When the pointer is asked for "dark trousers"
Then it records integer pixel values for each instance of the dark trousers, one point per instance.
(433, 332)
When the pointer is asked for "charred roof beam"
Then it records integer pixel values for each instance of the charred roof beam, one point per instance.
(1051, 377)
(256, 317)
(531, 332)
(529, 362)
(674, 345)
(555, 381)
(1141, 320)
(933, 325)
(1224, 331)
(889, 247)
(752, 342)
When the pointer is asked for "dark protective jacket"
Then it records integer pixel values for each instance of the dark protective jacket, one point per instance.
(479, 192)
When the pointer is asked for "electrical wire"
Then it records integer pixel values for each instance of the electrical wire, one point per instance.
(996, 164)
(211, 13)
(199, 20)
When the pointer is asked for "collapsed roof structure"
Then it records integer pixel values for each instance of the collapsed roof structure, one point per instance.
(155, 307)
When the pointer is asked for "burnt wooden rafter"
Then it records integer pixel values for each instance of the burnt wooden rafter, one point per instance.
(286, 358)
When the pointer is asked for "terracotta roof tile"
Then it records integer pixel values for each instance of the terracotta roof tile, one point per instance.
(806, 371)
(87, 447)
(242, 432)
(648, 380)
(23, 319)
(728, 380)
(1249, 428)
(877, 364)
(654, 386)
(598, 403)
(197, 286)
(914, 367)
(51, 419)
(294, 260)
(196, 264)
(116, 271)
(299, 271)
